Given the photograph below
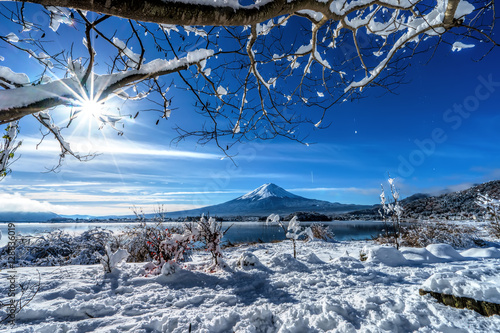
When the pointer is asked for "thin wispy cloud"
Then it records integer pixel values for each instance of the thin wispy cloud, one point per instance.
(19, 203)
(362, 191)
(115, 147)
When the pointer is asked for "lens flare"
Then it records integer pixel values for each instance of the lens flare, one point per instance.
(92, 108)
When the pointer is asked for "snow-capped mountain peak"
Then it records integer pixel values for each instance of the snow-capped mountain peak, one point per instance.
(267, 191)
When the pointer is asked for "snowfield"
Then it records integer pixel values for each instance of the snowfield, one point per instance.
(264, 289)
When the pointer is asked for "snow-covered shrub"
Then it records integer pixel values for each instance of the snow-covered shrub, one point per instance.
(293, 231)
(210, 233)
(393, 211)
(168, 247)
(110, 260)
(425, 233)
(492, 207)
(421, 234)
(90, 243)
(60, 248)
(136, 239)
(284, 262)
(144, 241)
(322, 232)
(145, 238)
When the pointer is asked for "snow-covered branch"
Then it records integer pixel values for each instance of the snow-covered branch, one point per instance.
(253, 71)
(18, 102)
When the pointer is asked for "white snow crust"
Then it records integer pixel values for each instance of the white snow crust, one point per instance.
(71, 87)
(478, 282)
(8, 76)
(264, 289)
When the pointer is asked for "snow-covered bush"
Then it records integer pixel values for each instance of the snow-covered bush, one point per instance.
(165, 246)
(210, 233)
(393, 211)
(322, 232)
(110, 260)
(426, 233)
(60, 248)
(135, 241)
(492, 207)
(421, 234)
(144, 241)
(293, 231)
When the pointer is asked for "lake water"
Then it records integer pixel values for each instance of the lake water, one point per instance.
(238, 233)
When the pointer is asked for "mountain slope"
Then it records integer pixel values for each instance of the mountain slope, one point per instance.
(267, 199)
(454, 205)
(26, 216)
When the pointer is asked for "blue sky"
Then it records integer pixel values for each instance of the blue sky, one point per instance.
(439, 131)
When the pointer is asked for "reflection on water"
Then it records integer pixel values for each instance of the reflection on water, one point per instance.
(239, 232)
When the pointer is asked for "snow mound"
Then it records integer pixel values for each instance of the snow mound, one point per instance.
(285, 262)
(420, 255)
(248, 260)
(388, 256)
(259, 320)
(313, 258)
(445, 251)
(169, 268)
(349, 262)
(479, 283)
(489, 252)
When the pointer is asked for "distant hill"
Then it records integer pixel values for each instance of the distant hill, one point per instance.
(372, 212)
(267, 199)
(27, 217)
(454, 205)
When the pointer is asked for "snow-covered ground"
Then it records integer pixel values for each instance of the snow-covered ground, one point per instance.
(327, 288)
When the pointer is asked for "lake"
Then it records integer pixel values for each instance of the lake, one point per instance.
(238, 233)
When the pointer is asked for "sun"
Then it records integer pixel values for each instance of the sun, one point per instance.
(92, 108)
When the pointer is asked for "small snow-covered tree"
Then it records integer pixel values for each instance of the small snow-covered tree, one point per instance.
(210, 233)
(492, 208)
(295, 231)
(249, 66)
(292, 231)
(110, 260)
(392, 210)
(8, 147)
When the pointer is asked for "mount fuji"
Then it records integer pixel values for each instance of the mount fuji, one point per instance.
(270, 198)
